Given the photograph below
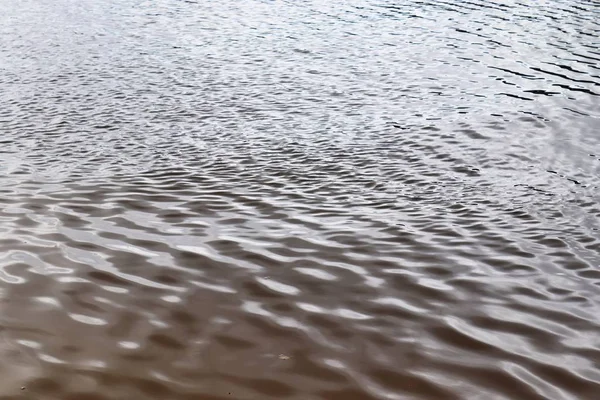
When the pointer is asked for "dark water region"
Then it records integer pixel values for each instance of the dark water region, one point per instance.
(361, 199)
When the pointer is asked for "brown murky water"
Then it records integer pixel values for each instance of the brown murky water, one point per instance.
(299, 200)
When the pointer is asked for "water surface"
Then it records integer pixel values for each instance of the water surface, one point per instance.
(361, 199)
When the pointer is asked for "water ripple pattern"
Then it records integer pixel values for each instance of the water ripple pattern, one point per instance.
(303, 200)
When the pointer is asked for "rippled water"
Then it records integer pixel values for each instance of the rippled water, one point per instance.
(365, 199)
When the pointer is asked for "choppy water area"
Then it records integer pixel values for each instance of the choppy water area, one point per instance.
(301, 200)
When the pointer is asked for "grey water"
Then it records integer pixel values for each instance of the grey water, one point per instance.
(304, 200)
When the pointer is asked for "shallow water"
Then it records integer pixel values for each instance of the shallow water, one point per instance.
(301, 200)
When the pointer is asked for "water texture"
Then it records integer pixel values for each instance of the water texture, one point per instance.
(303, 200)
